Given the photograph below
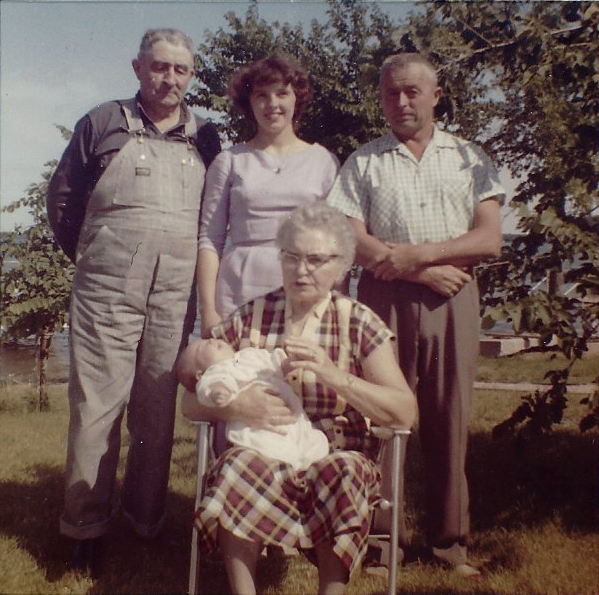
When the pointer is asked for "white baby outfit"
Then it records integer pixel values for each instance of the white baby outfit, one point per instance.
(302, 444)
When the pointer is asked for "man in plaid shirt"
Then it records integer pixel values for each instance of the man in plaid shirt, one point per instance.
(425, 206)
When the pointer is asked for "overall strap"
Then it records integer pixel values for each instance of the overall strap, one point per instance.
(135, 123)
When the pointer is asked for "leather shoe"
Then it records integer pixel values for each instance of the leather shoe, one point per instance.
(86, 557)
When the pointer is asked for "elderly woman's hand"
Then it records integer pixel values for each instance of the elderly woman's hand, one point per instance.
(308, 355)
(208, 320)
(260, 406)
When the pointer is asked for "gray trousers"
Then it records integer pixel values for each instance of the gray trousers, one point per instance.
(437, 345)
(131, 311)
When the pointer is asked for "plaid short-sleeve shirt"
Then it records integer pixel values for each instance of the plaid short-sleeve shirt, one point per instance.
(401, 199)
(366, 332)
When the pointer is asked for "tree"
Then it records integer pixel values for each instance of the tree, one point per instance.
(36, 279)
(521, 79)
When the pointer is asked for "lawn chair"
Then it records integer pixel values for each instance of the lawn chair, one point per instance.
(204, 435)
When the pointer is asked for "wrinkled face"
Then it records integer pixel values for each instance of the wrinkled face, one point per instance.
(273, 106)
(164, 72)
(311, 266)
(409, 96)
(210, 351)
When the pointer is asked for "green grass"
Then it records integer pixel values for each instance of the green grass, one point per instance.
(534, 513)
(532, 366)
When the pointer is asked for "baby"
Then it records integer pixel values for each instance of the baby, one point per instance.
(216, 373)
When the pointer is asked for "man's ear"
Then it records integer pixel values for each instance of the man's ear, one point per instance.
(438, 93)
(136, 66)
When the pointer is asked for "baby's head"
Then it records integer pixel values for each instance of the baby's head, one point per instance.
(197, 357)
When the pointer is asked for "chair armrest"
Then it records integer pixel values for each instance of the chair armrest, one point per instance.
(198, 422)
(386, 433)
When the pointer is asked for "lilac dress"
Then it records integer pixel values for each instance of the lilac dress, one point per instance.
(247, 190)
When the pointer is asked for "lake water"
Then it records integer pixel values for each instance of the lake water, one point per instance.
(20, 363)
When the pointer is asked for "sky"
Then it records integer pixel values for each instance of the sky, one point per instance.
(60, 59)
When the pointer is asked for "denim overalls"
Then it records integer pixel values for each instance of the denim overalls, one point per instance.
(131, 311)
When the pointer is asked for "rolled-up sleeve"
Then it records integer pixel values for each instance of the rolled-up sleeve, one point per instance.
(486, 183)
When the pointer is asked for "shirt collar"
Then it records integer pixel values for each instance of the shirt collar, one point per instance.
(440, 139)
(183, 113)
(313, 319)
(389, 142)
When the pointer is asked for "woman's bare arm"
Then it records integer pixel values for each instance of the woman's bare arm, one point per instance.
(382, 395)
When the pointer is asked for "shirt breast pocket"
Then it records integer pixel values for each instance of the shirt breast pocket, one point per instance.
(457, 200)
(458, 186)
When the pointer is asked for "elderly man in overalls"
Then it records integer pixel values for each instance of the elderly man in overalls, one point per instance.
(124, 205)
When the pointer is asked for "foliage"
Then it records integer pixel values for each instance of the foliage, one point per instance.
(522, 79)
(591, 419)
(36, 278)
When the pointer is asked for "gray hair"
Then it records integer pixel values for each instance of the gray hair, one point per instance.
(318, 215)
(174, 36)
(403, 60)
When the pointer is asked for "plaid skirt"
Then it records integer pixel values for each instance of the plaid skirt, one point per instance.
(267, 501)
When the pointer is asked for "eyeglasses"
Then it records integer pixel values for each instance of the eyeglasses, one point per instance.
(312, 261)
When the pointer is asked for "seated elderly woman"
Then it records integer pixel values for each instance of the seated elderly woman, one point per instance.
(343, 366)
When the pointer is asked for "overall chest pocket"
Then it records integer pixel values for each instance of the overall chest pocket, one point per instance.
(156, 174)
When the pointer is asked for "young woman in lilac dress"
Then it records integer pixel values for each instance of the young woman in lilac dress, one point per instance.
(250, 185)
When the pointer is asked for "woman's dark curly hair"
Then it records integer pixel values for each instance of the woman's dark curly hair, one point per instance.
(268, 70)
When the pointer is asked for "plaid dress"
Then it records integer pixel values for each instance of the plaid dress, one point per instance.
(267, 501)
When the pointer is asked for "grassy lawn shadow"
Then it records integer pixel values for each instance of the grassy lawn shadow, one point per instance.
(525, 483)
(533, 508)
(30, 514)
(515, 486)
